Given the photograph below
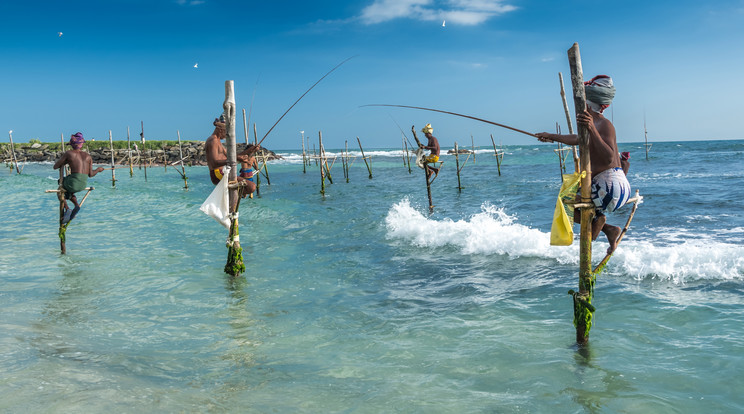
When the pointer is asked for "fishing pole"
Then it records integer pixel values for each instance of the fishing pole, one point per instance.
(456, 114)
(298, 99)
(401, 130)
(252, 97)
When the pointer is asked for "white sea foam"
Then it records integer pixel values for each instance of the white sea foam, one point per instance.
(493, 231)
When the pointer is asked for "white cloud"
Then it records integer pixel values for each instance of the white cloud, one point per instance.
(463, 12)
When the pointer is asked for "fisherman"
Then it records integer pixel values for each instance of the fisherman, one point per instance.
(610, 187)
(81, 167)
(248, 163)
(217, 156)
(433, 145)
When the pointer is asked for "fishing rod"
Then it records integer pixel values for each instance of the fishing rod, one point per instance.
(456, 114)
(303, 95)
(401, 130)
(252, 97)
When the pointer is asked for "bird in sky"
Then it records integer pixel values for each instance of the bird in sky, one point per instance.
(443, 21)
(59, 34)
(196, 65)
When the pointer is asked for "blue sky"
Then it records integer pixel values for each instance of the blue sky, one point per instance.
(120, 62)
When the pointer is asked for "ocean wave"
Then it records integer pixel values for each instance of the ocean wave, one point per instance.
(493, 231)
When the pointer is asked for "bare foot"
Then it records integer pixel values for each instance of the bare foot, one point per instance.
(597, 226)
(613, 233)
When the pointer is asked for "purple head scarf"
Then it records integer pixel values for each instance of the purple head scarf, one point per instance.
(77, 140)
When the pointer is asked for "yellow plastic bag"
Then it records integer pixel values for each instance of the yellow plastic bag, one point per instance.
(561, 231)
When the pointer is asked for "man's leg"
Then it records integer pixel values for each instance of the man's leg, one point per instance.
(597, 225)
(612, 233)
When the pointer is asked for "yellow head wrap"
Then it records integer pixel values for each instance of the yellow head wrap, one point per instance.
(427, 129)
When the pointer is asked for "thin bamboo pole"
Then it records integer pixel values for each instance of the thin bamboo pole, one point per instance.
(142, 138)
(457, 166)
(62, 149)
(472, 144)
(569, 122)
(258, 171)
(62, 227)
(582, 313)
(645, 136)
(245, 128)
(346, 157)
(322, 170)
(12, 152)
(234, 266)
(498, 155)
(129, 154)
(636, 200)
(113, 164)
(183, 169)
(304, 158)
(408, 156)
(369, 169)
(403, 147)
(264, 162)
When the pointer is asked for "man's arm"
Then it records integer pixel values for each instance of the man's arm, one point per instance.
(572, 139)
(61, 161)
(91, 171)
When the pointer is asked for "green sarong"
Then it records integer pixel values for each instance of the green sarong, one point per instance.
(75, 182)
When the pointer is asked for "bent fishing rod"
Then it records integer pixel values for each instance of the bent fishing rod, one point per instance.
(303, 95)
(456, 114)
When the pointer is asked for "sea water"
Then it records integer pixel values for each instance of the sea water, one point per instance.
(361, 301)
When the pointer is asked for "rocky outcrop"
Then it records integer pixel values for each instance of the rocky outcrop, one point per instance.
(193, 153)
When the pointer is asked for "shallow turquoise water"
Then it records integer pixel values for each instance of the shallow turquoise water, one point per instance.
(360, 301)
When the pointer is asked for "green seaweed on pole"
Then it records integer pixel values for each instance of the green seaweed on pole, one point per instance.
(234, 265)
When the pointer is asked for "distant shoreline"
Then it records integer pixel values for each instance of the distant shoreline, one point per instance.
(155, 152)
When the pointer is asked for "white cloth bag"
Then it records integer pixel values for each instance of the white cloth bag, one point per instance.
(217, 205)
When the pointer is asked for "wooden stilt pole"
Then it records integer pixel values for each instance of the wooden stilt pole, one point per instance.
(62, 149)
(369, 169)
(183, 169)
(346, 157)
(62, 203)
(129, 154)
(13, 158)
(403, 147)
(113, 164)
(569, 122)
(645, 136)
(472, 144)
(322, 170)
(245, 128)
(583, 310)
(264, 162)
(258, 170)
(499, 155)
(142, 138)
(304, 157)
(457, 166)
(408, 156)
(234, 266)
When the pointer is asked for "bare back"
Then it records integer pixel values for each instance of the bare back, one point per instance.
(79, 162)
